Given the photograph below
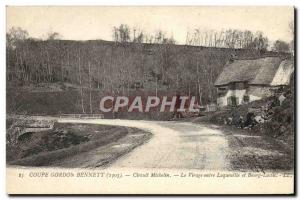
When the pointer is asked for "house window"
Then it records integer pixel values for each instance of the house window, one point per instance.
(221, 91)
(246, 99)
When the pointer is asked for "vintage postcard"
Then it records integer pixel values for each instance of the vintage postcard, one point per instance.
(150, 100)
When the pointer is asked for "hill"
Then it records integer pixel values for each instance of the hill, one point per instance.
(72, 69)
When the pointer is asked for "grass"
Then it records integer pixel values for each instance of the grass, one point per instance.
(65, 140)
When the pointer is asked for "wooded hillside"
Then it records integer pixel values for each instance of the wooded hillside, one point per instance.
(119, 68)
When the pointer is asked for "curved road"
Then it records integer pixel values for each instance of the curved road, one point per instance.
(185, 145)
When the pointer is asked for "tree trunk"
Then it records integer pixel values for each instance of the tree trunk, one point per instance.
(199, 86)
(90, 84)
(156, 86)
(98, 75)
(81, 92)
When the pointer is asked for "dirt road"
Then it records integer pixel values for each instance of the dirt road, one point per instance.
(185, 145)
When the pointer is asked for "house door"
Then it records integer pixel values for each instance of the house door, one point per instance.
(232, 101)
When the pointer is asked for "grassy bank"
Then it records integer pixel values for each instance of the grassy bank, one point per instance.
(278, 120)
(63, 141)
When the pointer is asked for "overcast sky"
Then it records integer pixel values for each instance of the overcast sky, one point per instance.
(84, 23)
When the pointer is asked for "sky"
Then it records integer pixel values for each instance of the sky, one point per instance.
(86, 23)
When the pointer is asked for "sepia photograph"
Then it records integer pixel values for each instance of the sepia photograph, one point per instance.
(150, 100)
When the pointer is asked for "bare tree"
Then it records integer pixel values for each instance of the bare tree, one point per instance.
(292, 30)
(53, 36)
(122, 33)
(80, 82)
(198, 84)
(90, 87)
(16, 35)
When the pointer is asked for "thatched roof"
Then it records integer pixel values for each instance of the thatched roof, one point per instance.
(257, 71)
(283, 74)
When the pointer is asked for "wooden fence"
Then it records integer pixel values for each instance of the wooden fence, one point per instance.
(82, 116)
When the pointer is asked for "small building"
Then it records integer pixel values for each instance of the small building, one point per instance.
(243, 81)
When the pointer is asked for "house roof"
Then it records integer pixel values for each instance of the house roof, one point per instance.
(283, 74)
(257, 71)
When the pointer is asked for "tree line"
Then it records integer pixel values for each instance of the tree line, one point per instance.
(229, 38)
